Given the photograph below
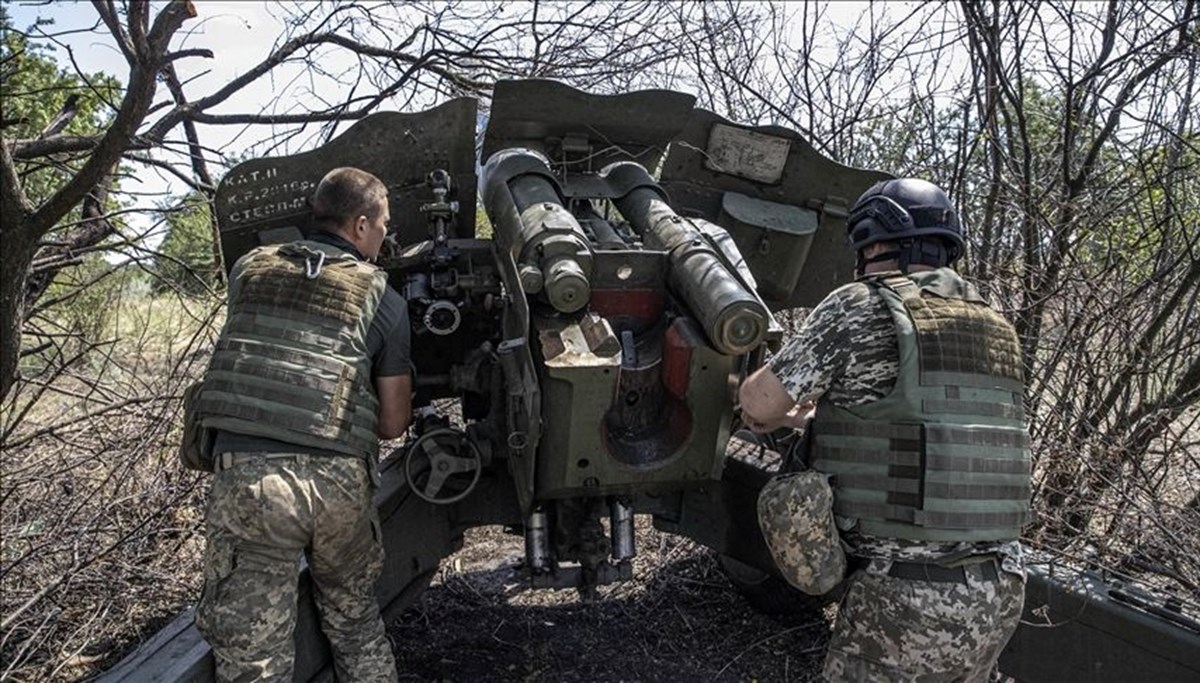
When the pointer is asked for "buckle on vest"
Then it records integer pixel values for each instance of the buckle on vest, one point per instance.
(312, 271)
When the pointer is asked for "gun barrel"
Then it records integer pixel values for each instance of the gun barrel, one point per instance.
(525, 205)
(733, 317)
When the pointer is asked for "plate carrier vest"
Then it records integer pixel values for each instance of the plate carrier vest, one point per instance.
(945, 455)
(291, 363)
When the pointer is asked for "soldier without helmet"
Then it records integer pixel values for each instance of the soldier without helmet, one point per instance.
(312, 368)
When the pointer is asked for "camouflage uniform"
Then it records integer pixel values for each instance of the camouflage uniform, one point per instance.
(273, 501)
(888, 627)
(263, 513)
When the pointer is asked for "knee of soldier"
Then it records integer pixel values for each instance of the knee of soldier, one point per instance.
(247, 629)
(795, 513)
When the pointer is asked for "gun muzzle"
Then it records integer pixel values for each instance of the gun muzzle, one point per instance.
(525, 205)
(732, 316)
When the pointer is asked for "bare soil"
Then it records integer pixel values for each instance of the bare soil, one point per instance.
(678, 619)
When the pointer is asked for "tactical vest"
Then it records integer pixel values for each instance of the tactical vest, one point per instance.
(291, 363)
(945, 455)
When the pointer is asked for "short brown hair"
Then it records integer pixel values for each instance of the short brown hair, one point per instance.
(345, 193)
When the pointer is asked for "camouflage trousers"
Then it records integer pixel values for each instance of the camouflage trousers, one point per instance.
(795, 513)
(898, 629)
(888, 628)
(262, 515)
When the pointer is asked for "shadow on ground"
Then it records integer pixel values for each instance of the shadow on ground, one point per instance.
(679, 619)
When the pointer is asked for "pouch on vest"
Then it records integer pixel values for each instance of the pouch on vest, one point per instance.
(196, 447)
(795, 513)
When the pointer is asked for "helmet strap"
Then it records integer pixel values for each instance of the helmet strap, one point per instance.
(862, 261)
(906, 254)
(928, 252)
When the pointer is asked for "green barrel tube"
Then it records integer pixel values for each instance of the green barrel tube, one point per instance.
(732, 316)
(525, 205)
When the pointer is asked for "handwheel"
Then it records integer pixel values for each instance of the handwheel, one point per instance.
(443, 466)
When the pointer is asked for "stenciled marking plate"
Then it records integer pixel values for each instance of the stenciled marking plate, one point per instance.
(746, 153)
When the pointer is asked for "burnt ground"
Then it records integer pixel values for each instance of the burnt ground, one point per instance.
(679, 619)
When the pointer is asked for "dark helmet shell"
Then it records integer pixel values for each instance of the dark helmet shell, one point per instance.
(904, 209)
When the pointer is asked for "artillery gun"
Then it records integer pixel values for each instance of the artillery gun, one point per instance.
(578, 366)
(590, 350)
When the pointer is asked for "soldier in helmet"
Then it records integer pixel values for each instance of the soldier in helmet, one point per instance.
(912, 389)
(311, 369)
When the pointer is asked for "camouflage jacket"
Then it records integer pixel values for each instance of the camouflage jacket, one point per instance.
(846, 351)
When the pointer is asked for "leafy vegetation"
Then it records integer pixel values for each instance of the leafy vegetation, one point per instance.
(186, 262)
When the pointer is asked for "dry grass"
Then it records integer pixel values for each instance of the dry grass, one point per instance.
(679, 619)
(100, 541)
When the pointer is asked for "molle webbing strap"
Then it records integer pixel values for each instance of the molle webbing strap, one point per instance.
(269, 315)
(312, 403)
(974, 491)
(975, 436)
(971, 381)
(282, 329)
(944, 456)
(872, 456)
(973, 519)
(296, 377)
(947, 463)
(883, 482)
(881, 430)
(955, 407)
(305, 359)
(292, 361)
(891, 513)
(941, 520)
(875, 443)
(949, 332)
(280, 285)
(265, 415)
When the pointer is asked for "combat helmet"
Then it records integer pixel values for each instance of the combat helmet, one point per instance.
(915, 214)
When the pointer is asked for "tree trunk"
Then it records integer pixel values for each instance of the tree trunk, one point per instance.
(14, 268)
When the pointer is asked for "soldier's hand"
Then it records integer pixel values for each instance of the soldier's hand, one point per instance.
(800, 415)
(795, 418)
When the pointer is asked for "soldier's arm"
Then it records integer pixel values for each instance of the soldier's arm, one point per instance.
(392, 367)
(781, 393)
(395, 405)
(765, 402)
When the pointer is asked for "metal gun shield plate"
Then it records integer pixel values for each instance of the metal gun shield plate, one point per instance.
(594, 130)
(267, 200)
(769, 173)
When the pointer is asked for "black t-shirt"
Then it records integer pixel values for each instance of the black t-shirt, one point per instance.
(388, 346)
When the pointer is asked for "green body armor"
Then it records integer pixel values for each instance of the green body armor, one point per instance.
(945, 455)
(292, 363)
